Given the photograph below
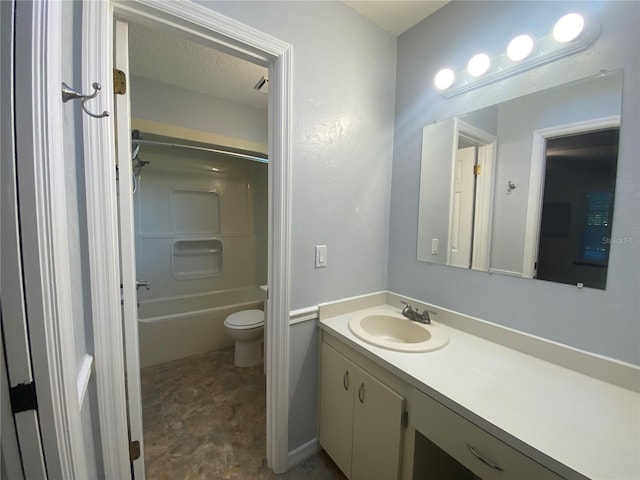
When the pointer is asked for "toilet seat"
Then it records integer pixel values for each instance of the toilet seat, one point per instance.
(245, 320)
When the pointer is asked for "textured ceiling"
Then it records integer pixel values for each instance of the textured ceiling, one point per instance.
(177, 61)
(396, 16)
(174, 60)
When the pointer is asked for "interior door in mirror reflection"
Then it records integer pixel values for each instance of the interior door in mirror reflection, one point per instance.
(511, 140)
(464, 187)
(469, 154)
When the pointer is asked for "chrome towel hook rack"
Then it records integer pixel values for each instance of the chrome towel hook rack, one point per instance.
(69, 93)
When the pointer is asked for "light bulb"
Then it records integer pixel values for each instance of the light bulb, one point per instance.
(568, 27)
(478, 65)
(520, 48)
(444, 79)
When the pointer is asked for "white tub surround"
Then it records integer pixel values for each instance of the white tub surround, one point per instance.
(573, 424)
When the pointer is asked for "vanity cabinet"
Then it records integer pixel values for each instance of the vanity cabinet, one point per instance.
(479, 451)
(360, 419)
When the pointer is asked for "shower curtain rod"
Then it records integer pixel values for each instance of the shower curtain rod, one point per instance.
(136, 141)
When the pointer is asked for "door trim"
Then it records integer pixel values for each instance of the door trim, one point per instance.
(43, 223)
(536, 181)
(212, 29)
(102, 239)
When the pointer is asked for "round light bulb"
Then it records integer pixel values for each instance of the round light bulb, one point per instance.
(478, 65)
(568, 27)
(520, 48)
(444, 79)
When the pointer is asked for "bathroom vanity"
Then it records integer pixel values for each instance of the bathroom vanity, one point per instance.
(472, 409)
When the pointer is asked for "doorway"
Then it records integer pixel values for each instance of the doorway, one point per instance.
(577, 208)
(217, 31)
(277, 256)
(561, 146)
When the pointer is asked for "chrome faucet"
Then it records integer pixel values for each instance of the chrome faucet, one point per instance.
(415, 315)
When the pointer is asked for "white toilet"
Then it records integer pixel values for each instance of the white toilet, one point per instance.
(247, 329)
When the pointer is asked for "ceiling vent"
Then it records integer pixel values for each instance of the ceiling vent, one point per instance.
(262, 85)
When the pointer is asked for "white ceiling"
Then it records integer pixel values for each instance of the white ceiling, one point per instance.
(396, 16)
(177, 61)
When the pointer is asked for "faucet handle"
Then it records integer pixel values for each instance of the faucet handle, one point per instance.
(407, 308)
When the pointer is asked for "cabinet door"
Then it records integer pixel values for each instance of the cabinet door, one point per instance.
(377, 430)
(336, 407)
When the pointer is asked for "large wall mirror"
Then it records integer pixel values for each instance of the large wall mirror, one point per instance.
(525, 187)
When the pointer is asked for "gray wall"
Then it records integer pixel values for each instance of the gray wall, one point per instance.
(342, 139)
(343, 104)
(603, 322)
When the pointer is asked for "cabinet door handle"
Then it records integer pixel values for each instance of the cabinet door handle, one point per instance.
(361, 393)
(489, 463)
(345, 380)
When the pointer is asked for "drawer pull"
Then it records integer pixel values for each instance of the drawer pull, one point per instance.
(345, 380)
(484, 460)
(361, 393)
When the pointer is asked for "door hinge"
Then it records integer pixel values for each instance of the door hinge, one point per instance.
(404, 419)
(23, 397)
(119, 82)
(477, 169)
(134, 450)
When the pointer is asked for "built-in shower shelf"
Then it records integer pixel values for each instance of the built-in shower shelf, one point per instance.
(200, 252)
(196, 258)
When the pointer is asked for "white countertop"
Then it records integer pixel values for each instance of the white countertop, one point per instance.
(591, 426)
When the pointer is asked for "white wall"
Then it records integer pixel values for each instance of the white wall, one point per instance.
(342, 138)
(603, 322)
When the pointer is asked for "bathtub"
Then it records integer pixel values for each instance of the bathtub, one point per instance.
(176, 327)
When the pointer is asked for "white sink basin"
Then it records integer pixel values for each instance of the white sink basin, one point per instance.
(390, 330)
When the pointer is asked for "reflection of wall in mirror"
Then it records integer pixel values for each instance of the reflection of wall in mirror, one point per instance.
(517, 119)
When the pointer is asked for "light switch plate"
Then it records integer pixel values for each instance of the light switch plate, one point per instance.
(321, 256)
(434, 246)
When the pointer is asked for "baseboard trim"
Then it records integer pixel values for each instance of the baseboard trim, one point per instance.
(303, 452)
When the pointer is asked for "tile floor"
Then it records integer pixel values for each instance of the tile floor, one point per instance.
(204, 418)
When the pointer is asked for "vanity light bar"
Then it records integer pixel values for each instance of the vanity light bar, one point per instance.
(571, 34)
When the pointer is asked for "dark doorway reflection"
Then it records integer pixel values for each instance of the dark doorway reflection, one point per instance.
(577, 209)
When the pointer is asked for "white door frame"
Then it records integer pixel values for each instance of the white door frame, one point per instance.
(43, 232)
(218, 31)
(536, 181)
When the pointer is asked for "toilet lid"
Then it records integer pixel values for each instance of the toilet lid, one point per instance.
(245, 319)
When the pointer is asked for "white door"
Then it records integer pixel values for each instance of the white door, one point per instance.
(462, 208)
(127, 248)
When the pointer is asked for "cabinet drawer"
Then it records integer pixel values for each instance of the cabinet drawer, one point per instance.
(480, 452)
